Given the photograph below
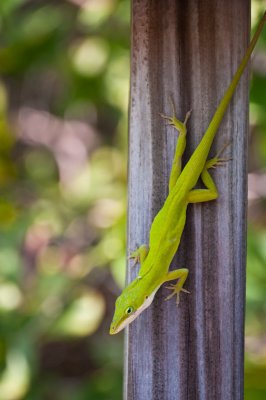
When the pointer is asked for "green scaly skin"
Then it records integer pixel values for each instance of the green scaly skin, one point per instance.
(168, 225)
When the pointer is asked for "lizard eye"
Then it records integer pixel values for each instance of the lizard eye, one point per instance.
(129, 310)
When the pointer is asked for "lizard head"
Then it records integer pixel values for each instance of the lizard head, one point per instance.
(129, 305)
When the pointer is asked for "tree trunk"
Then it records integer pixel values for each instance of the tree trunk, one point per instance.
(189, 50)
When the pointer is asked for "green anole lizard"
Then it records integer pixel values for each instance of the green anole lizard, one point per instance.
(168, 224)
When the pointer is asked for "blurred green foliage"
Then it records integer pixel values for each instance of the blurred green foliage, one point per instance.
(64, 70)
(63, 101)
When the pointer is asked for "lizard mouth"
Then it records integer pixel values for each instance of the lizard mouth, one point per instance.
(115, 328)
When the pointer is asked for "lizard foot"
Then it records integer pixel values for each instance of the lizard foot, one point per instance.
(139, 255)
(217, 160)
(176, 289)
(173, 121)
(135, 257)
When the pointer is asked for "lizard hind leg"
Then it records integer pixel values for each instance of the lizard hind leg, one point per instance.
(180, 145)
(210, 192)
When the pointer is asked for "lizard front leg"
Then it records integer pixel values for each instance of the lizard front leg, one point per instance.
(139, 254)
(180, 274)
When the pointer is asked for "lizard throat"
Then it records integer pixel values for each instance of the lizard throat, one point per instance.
(147, 302)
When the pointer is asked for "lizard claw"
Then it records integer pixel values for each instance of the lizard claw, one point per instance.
(223, 148)
(218, 162)
(187, 116)
(135, 258)
(185, 291)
